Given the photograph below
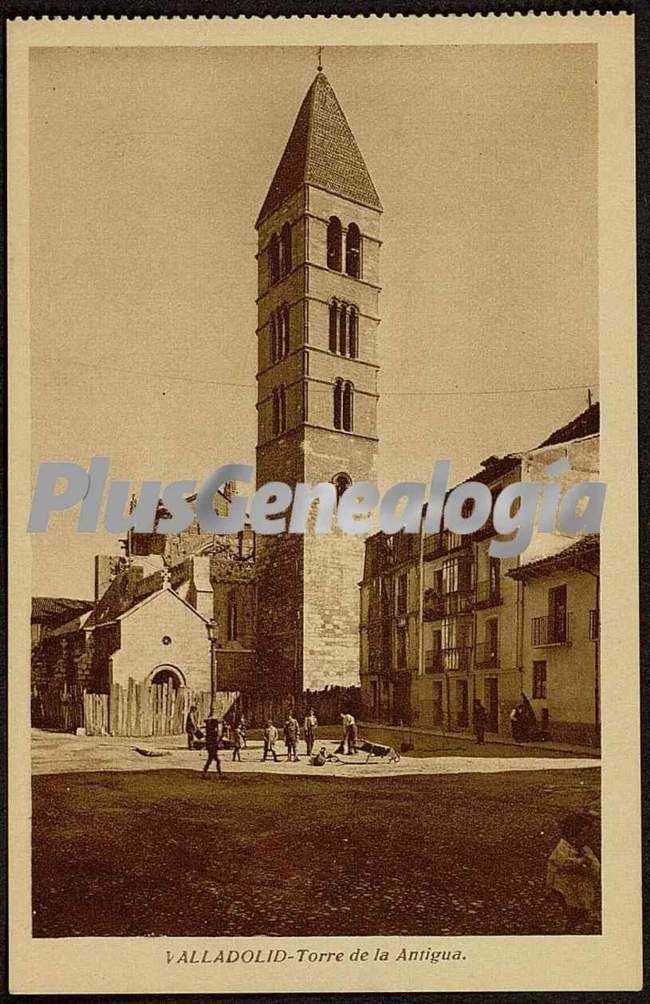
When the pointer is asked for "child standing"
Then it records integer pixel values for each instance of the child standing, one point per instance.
(270, 739)
(573, 871)
(237, 743)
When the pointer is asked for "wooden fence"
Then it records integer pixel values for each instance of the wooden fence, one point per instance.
(328, 705)
(58, 707)
(140, 710)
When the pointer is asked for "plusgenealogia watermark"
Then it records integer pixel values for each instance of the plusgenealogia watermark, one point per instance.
(276, 508)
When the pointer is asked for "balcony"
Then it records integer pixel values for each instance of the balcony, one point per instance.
(594, 625)
(555, 630)
(487, 655)
(433, 661)
(461, 601)
(433, 546)
(434, 605)
(456, 660)
(488, 594)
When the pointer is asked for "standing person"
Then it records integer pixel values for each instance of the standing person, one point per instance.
(480, 721)
(573, 871)
(270, 739)
(237, 743)
(291, 736)
(516, 723)
(528, 719)
(213, 731)
(242, 729)
(191, 726)
(349, 733)
(310, 726)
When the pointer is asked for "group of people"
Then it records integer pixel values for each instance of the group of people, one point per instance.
(234, 733)
(523, 721)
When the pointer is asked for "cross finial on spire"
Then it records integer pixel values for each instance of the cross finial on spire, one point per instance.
(320, 58)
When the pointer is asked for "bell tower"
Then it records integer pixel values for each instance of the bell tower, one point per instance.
(318, 314)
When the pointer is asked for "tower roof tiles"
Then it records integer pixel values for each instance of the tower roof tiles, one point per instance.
(321, 151)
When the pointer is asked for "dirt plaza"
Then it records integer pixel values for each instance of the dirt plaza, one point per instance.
(416, 847)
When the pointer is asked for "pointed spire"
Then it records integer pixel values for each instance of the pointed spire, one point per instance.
(321, 151)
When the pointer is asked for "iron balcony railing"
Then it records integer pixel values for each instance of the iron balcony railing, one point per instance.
(553, 630)
(434, 605)
(457, 660)
(594, 625)
(434, 545)
(488, 593)
(433, 661)
(487, 655)
(460, 601)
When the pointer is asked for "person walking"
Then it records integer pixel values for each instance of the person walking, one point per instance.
(480, 721)
(213, 730)
(291, 736)
(270, 739)
(191, 726)
(237, 743)
(310, 725)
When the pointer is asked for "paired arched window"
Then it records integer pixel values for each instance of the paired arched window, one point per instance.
(279, 410)
(352, 247)
(341, 482)
(232, 617)
(344, 329)
(353, 251)
(274, 258)
(279, 325)
(280, 256)
(285, 249)
(334, 244)
(343, 405)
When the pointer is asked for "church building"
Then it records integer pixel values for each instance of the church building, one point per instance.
(318, 315)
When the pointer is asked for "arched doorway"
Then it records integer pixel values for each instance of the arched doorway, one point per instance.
(167, 674)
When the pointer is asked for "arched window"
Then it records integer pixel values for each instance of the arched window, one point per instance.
(276, 411)
(348, 407)
(274, 258)
(232, 616)
(334, 324)
(338, 404)
(286, 248)
(343, 330)
(341, 482)
(284, 349)
(353, 251)
(274, 339)
(334, 244)
(353, 333)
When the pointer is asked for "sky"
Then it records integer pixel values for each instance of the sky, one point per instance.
(148, 167)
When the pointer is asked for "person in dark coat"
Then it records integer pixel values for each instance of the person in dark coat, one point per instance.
(291, 735)
(213, 732)
(480, 721)
(191, 726)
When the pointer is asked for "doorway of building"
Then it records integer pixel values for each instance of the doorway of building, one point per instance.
(462, 705)
(166, 674)
(437, 703)
(492, 701)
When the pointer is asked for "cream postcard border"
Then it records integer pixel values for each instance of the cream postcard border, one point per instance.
(611, 961)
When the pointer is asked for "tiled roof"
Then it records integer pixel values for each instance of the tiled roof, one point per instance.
(585, 424)
(57, 610)
(586, 550)
(321, 151)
